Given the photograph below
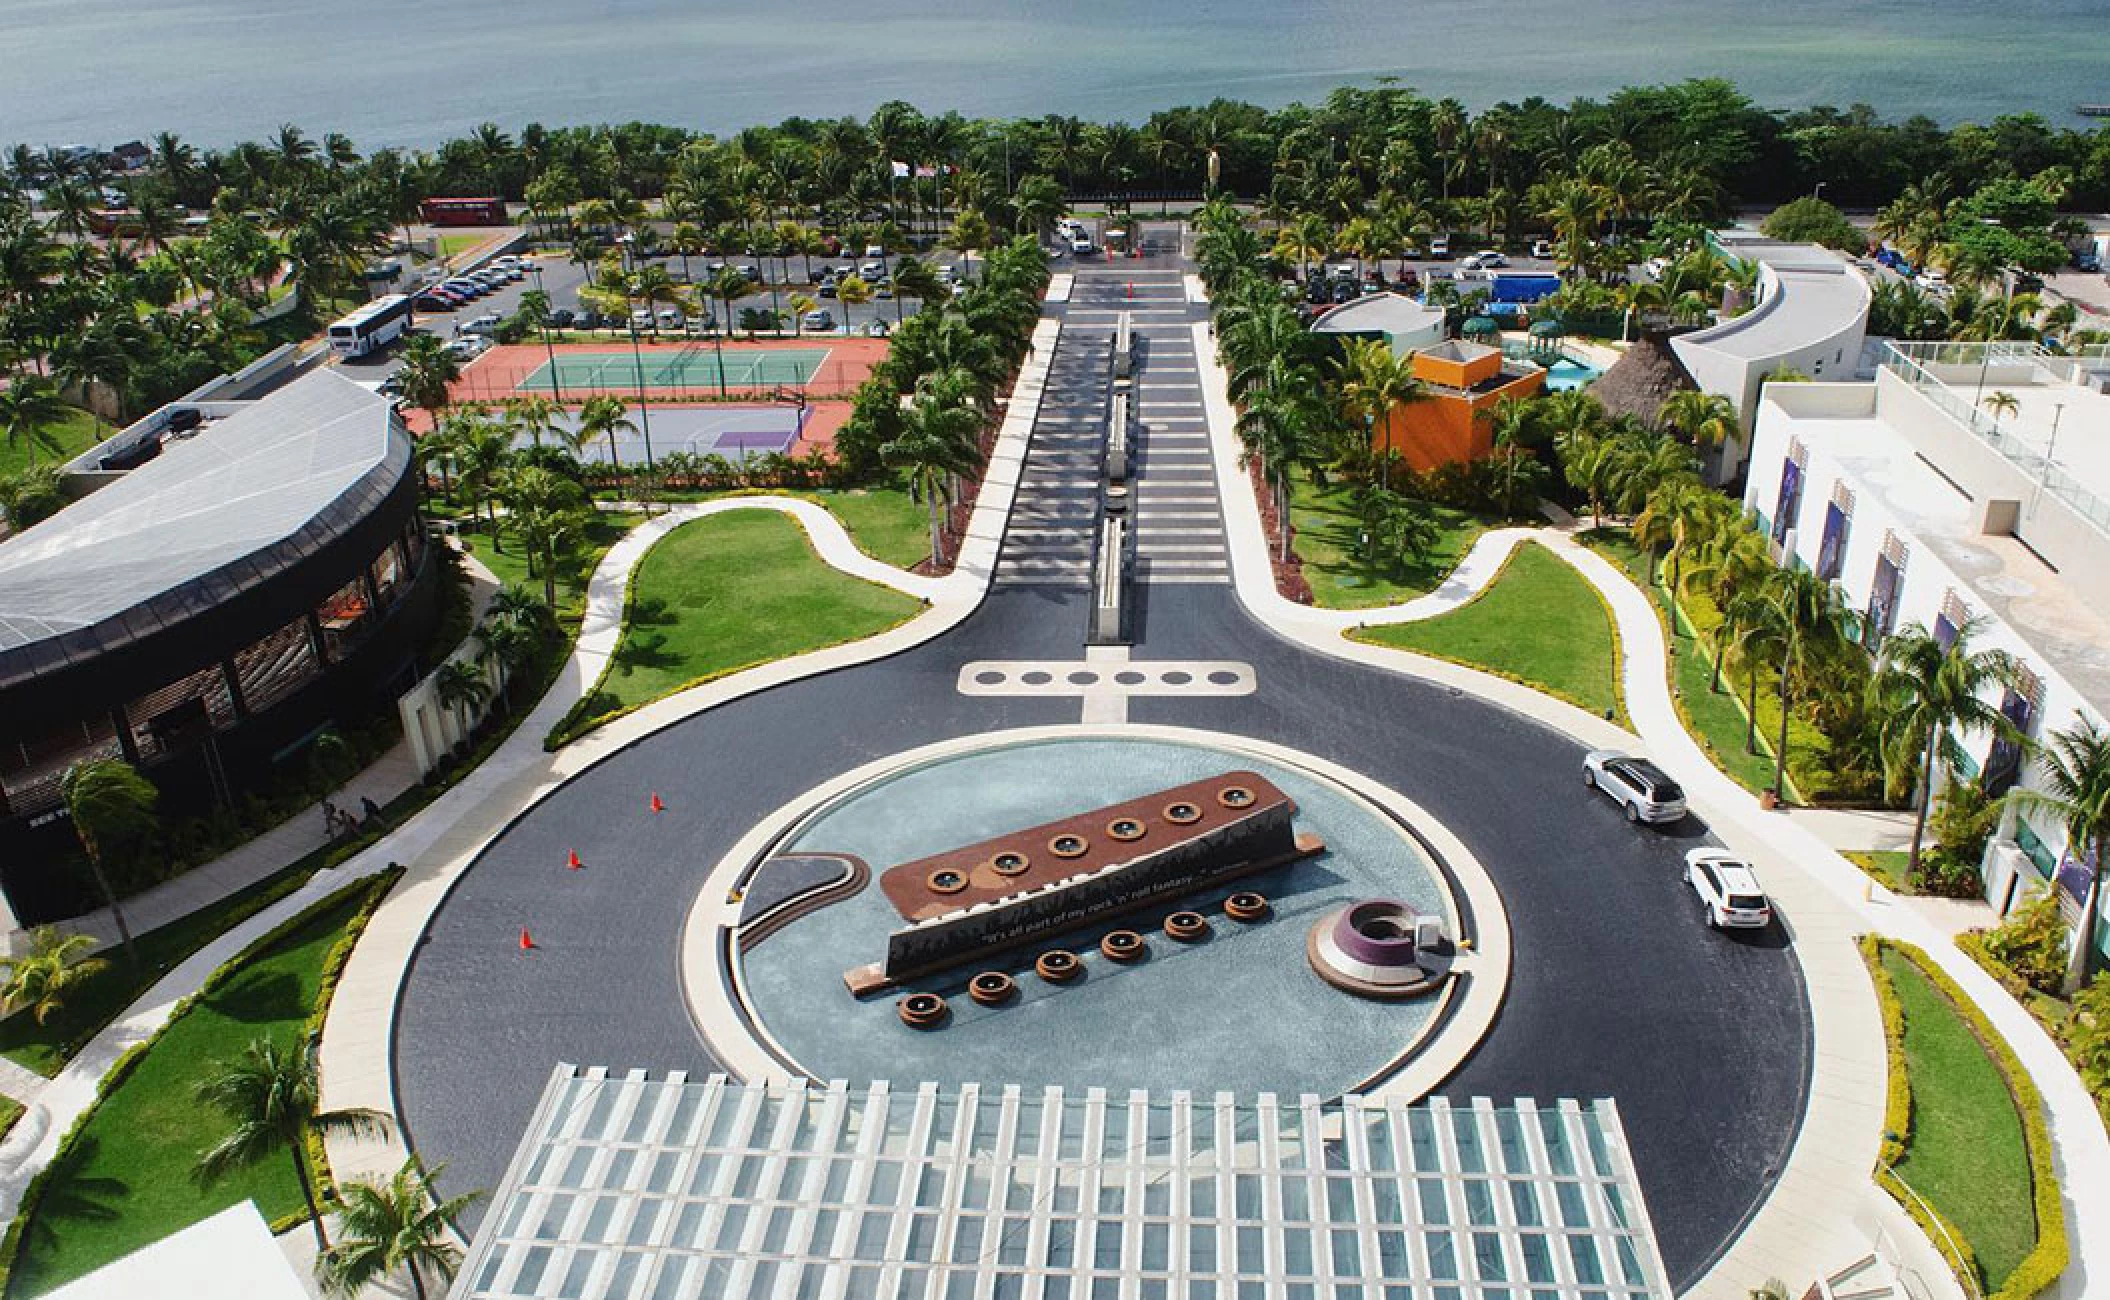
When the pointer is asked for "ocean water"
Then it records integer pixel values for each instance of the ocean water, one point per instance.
(411, 72)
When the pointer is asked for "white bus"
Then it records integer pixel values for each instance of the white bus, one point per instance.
(372, 327)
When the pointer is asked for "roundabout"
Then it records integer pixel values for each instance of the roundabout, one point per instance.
(1197, 989)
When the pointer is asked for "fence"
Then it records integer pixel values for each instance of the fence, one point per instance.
(689, 372)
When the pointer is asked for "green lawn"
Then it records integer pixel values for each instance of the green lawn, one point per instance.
(125, 1179)
(884, 523)
(71, 436)
(1965, 1153)
(574, 568)
(1885, 865)
(452, 244)
(725, 593)
(1538, 622)
(1325, 540)
(96, 1002)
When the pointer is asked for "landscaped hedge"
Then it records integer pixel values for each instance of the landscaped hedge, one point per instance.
(2043, 1265)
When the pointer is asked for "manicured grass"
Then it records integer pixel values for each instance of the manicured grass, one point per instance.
(452, 244)
(125, 1180)
(1340, 578)
(97, 1000)
(1885, 865)
(884, 523)
(10, 1111)
(71, 436)
(574, 568)
(1966, 1153)
(727, 592)
(1538, 622)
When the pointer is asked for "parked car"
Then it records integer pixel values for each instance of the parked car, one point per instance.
(872, 270)
(670, 319)
(874, 250)
(2086, 260)
(560, 319)
(485, 324)
(1081, 245)
(1933, 281)
(430, 301)
(883, 290)
(1542, 248)
(1728, 890)
(466, 347)
(826, 290)
(1440, 246)
(818, 319)
(1644, 790)
(641, 319)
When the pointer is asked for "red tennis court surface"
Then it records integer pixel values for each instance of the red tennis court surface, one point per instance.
(510, 370)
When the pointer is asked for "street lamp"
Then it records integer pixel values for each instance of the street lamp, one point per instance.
(556, 391)
(1818, 193)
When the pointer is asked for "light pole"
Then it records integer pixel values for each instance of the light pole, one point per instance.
(556, 392)
(1818, 193)
(2051, 445)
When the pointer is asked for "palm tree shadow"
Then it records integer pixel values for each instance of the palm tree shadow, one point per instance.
(70, 1198)
(644, 650)
(260, 997)
(651, 611)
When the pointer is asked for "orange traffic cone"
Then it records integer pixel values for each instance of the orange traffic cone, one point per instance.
(657, 806)
(527, 941)
(573, 861)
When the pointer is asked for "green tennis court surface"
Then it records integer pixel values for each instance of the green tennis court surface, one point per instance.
(692, 367)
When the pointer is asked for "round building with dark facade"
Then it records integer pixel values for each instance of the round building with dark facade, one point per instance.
(259, 574)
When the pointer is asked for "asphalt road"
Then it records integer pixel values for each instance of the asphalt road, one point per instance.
(1618, 988)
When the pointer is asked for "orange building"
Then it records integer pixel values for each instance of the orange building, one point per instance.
(1459, 381)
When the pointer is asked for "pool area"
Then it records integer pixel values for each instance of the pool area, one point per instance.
(1568, 373)
(1241, 1009)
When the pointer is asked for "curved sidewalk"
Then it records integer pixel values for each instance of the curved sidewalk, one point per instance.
(1818, 1216)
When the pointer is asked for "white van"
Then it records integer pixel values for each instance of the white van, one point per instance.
(1440, 246)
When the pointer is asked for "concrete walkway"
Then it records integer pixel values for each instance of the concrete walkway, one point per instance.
(1824, 1208)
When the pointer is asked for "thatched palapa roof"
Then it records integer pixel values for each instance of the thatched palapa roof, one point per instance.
(1643, 379)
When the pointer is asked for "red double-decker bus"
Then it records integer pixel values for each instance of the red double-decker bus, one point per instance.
(464, 212)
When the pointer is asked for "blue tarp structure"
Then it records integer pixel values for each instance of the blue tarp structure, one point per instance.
(1524, 287)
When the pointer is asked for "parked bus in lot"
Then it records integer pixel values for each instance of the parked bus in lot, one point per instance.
(464, 212)
(372, 327)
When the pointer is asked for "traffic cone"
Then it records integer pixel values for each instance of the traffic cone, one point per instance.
(527, 941)
(657, 806)
(573, 860)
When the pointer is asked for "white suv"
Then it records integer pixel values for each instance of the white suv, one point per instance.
(1644, 790)
(1728, 890)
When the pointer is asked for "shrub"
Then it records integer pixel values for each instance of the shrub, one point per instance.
(1964, 818)
(2032, 943)
(2088, 1033)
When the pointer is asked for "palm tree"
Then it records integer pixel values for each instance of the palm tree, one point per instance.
(605, 416)
(1807, 620)
(545, 509)
(29, 406)
(112, 806)
(1705, 420)
(39, 979)
(533, 416)
(273, 1096)
(427, 371)
(461, 687)
(936, 442)
(1276, 429)
(2076, 790)
(388, 1228)
(852, 291)
(801, 303)
(2000, 403)
(1931, 695)
(483, 449)
(1375, 382)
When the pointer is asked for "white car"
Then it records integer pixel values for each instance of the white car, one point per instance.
(467, 347)
(1645, 791)
(1542, 248)
(1081, 245)
(487, 323)
(1728, 890)
(1932, 281)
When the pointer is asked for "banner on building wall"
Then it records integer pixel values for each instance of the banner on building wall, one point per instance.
(2003, 764)
(1831, 552)
(2076, 874)
(1882, 603)
(1790, 501)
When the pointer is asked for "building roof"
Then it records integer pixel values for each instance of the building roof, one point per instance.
(216, 512)
(1646, 375)
(631, 1187)
(230, 1254)
(1813, 295)
(1379, 313)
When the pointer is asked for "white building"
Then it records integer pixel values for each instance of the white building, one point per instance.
(1968, 481)
(1811, 317)
(628, 1186)
(1405, 323)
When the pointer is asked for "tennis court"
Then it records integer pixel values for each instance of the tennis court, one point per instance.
(734, 432)
(698, 366)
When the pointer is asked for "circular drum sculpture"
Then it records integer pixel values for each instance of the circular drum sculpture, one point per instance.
(1379, 948)
(1058, 966)
(922, 1010)
(1187, 927)
(1011, 863)
(1247, 906)
(1123, 946)
(992, 988)
(945, 880)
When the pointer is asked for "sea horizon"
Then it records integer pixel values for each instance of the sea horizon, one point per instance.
(98, 72)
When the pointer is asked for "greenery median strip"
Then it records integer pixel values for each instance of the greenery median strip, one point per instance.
(727, 592)
(1339, 567)
(1539, 622)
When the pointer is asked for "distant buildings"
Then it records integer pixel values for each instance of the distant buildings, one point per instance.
(1968, 481)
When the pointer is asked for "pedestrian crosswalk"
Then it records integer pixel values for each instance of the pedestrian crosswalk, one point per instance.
(1177, 515)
